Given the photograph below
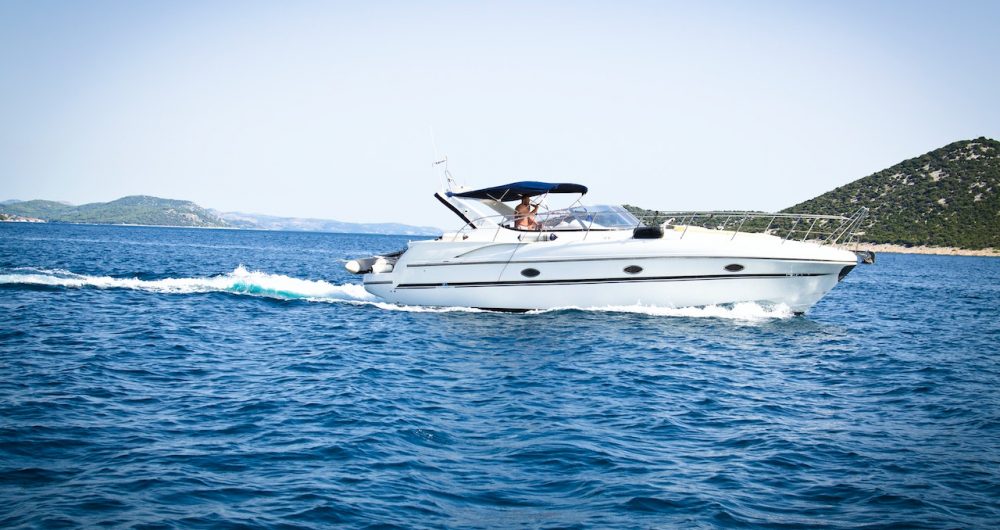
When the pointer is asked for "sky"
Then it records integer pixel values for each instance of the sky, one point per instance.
(337, 110)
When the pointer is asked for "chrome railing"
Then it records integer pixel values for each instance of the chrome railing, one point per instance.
(821, 229)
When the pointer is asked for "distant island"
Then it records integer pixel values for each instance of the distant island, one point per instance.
(154, 211)
(945, 201)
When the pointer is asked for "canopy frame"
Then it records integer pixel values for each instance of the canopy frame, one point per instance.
(515, 190)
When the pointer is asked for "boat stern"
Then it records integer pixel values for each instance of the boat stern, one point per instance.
(378, 284)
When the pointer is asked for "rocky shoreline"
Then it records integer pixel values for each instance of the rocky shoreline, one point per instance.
(943, 251)
(11, 218)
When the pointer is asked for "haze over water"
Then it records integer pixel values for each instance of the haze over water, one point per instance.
(162, 377)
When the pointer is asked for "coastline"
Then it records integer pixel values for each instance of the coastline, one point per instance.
(233, 228)
(878, 248)
(921, 249)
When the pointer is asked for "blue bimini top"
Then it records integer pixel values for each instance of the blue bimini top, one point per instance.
(514, 190)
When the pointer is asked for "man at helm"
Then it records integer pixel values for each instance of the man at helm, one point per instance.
(525, 214)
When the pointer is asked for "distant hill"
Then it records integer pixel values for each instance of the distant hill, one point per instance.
(948, 197)
(135, 209)
(146, 210)
(303, 224)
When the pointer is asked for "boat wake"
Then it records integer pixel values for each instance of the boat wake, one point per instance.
(239, 281)
(242, 281)
(742, 311)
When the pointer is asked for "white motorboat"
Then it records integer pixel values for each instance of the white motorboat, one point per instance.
(599, 256)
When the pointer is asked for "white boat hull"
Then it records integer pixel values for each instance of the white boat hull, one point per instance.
(662, 273)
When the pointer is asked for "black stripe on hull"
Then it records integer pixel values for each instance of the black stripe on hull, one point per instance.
(586, 281)
(633, 258)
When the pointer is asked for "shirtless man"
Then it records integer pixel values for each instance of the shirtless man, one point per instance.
(525, 218)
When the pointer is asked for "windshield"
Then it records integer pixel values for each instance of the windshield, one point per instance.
(598, 217)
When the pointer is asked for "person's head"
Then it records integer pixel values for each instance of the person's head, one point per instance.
(525, 199)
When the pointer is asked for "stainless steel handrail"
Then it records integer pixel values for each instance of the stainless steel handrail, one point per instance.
(841, 229)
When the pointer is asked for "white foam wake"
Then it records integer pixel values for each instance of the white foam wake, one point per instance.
(239, 281)
(749, 311)
(256, 283)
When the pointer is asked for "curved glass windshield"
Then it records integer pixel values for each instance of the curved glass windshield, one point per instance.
(598, 217)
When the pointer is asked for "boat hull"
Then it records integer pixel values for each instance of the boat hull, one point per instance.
(664, 281)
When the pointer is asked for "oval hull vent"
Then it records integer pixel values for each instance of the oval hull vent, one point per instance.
(734, 267)
(530, 273)
(633, 269)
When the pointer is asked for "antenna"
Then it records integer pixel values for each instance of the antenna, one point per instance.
(449, 181)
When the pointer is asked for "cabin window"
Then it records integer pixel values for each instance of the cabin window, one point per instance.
(530, 273)
(734, 267)
(633, 269)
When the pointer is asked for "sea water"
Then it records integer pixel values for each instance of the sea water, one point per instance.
(159, 377)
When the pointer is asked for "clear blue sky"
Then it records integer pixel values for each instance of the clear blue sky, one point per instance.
(323, 109)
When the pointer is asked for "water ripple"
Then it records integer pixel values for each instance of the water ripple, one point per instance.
(149, 380)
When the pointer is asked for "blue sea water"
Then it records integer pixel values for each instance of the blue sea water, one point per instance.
(182, 378)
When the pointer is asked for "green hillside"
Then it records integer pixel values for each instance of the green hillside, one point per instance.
(948, 197)
(37, 209)
(136, 209)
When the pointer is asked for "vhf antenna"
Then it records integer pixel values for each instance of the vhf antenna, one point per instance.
(447, 174)
(450, 181)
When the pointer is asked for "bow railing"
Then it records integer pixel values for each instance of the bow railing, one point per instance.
(821, 229)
